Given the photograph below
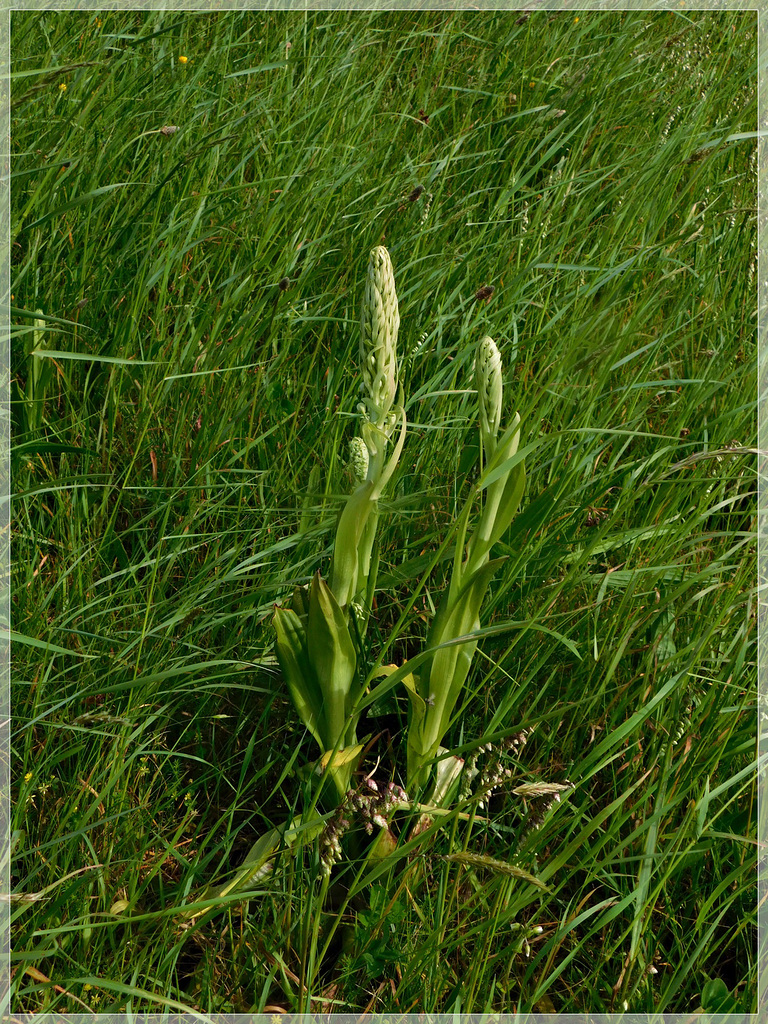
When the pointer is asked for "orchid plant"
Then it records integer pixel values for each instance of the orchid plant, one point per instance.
(316, 632)
(315, 645)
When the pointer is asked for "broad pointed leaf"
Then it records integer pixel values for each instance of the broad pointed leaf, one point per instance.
(303, 686)
(332, 655)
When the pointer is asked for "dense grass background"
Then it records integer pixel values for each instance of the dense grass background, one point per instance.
(179, 462)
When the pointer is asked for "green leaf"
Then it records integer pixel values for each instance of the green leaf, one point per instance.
(504, 484)
(495, 470)
(367, 570)
(263, 850)
(303, 686)
(259, 69)
(21, 638)
(512, 495)
(716, 998)
(345, 568)
(448, 773)
(394, 458)
(417, 711)
(418, 704)
(257, 857)
(300, 602)
(449, 667)
(462, 617)
(332, 655)
(29, 448)
(90, 357)
(341, 758)
(78, 201)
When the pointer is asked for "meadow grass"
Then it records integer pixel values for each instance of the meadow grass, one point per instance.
(179, 464)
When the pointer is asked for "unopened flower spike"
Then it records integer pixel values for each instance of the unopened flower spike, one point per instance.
(379, 324)
(490, 390)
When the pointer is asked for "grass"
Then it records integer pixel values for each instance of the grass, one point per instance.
(179, 463)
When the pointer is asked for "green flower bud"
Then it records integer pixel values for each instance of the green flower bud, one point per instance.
(358, 458)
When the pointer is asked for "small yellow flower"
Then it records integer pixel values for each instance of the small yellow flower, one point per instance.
(62, 86)
(575, 20)
(531, 85)
(28, 776)
(183, 60)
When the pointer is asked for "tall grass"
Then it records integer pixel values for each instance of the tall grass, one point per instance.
(179, 463)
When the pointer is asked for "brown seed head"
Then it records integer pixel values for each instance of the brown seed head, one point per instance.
(484, 294)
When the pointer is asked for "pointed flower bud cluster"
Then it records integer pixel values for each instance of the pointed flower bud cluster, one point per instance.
(379, 324)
